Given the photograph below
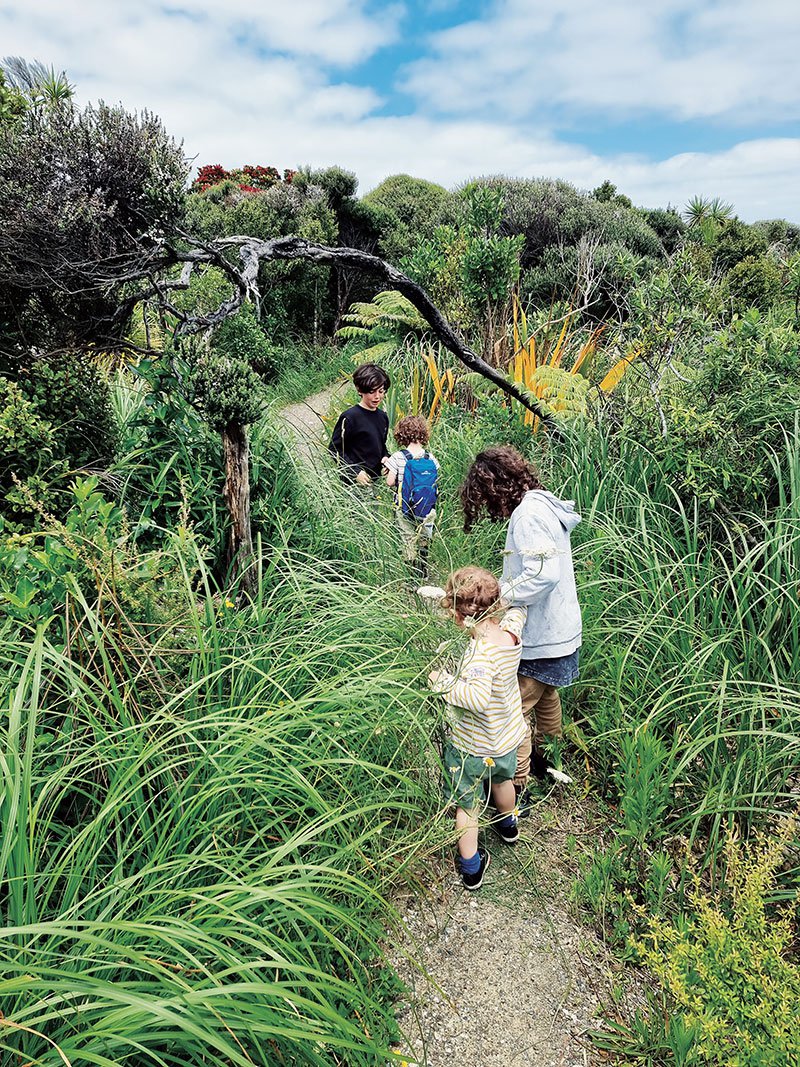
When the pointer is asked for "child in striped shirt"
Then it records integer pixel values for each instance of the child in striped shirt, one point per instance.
(484, 711)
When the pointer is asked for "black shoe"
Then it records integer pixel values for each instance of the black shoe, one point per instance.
(509, 835)
(538, 765)
(524, 803)
(475, 881)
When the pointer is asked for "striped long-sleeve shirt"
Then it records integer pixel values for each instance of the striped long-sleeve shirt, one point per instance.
(483, 700)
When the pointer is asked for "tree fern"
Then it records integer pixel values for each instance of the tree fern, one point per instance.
(383, 325)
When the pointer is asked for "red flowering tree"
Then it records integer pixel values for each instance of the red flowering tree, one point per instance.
(252, 178)
(210, 174)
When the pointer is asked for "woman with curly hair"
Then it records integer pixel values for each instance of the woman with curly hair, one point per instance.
(537, 574)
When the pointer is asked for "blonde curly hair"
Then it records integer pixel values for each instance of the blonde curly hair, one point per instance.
(473, 592)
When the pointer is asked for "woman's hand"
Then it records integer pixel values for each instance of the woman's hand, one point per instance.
(362, 478)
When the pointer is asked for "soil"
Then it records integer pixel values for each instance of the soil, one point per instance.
(507, 975)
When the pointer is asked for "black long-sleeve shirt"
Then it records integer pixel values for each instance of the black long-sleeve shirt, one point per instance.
(359, 441)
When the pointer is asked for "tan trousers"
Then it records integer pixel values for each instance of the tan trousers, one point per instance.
(541, 706)
(416, 536)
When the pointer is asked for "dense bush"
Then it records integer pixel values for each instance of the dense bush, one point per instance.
(294, 295)
(726, 967)
(84, 195)
(780, 232)
(548, 212)
(754, 282)
(27, 443)
(595, 276)
(58, 419)
(667, 224)
(413, 209)
(169, 466)
(736, 242)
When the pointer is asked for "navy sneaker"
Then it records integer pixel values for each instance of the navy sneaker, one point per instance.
(475, 881)
(509, 835)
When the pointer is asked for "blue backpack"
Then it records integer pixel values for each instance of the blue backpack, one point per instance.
(420, 486)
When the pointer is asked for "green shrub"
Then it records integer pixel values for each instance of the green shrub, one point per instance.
(780, 232)
(753, 282)
(550, 212)
(71, 395)
(667, 224)
(169, 467)
(56, 418)
(735, 242)
(725, 965)
(601, 274)
(27, 440)
(89, 555)
(413, 209)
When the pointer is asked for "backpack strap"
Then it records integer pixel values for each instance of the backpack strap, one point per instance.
(406, 454)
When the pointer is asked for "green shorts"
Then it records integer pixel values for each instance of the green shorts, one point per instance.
(464, 774)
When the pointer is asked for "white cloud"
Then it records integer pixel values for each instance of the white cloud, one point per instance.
(339, 32)
(678, 58)
(233, 103)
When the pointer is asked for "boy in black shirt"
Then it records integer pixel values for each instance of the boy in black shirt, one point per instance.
(359, 437)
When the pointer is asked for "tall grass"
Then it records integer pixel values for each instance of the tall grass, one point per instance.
(191, 873)
(688, 640)
(688, 708)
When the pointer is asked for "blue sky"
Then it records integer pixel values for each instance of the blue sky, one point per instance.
(667, 98)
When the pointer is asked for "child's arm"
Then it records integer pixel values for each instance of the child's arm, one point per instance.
(471, 688)
(513, 621)
(391, 471)
(540, 566)
(335, 443)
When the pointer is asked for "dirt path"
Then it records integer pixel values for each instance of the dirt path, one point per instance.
(305, 419)
(509, 977)
(505, 976)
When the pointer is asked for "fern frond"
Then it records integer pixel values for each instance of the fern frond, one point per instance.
(350, 333)
(375, 353)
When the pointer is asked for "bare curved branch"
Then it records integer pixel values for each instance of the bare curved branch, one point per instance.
(253, 252)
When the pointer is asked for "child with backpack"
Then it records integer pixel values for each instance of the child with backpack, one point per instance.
(413, 472)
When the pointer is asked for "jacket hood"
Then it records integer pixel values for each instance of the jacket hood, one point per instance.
(563, 510)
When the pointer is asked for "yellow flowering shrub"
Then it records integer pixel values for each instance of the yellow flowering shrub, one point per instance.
(725, 966)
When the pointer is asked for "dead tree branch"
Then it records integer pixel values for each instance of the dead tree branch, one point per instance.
(253, 252)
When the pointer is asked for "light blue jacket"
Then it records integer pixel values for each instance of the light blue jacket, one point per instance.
(537, 572)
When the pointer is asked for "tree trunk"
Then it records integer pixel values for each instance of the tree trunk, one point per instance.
(236, 452)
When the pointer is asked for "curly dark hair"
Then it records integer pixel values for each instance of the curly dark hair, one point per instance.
(496, 483)
(411, 428)
(369, 377)
(472, 591)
